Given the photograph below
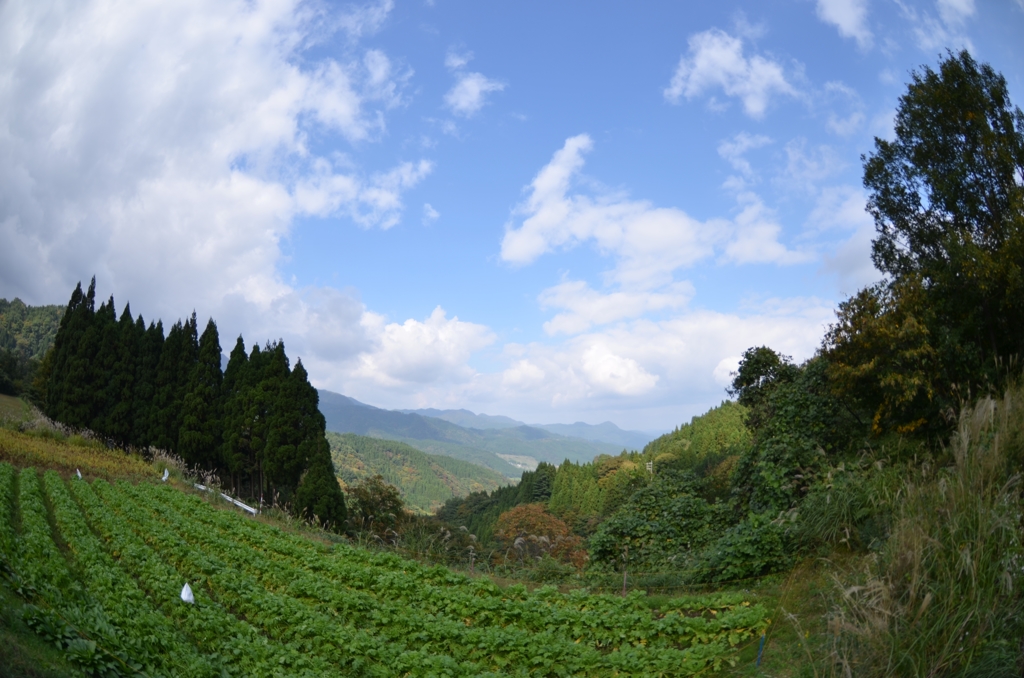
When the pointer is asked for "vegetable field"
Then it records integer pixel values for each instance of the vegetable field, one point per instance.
(101, 567)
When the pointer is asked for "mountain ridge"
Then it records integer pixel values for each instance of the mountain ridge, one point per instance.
(490, 447)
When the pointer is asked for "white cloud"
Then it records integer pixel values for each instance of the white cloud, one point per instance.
(756, 236)
(584, 307)
(716, 60)
(468, 95)
(430, 215)
(843, 209)
(725, 370)
(840, 207)
(945, 31)
(685, 358)
(415, 352)
(164, 146)
(734, 150)
(470, 91)
(369, 202)
(850, 17)
(455, 60)
(649, 243)
(610, 372)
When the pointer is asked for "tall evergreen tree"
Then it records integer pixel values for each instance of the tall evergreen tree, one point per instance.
(276, 397)
(201, 431)
(68, 388)
(151, 343)
(118, 390)
(163, 413)
(236, 441)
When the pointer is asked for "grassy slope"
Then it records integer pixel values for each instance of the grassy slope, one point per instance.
(426, 481)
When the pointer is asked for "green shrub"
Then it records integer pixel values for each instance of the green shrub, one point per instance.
(751, 548)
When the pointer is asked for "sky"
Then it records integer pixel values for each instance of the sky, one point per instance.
(556, 211)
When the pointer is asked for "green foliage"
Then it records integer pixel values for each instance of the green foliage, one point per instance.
(270, 603)
(478, 512)
(753, 547)
(708, 435)
(26, 334)
(376, 506)
(851, 505)
(426, 481)
(802, 425)
(948, 205)
(663, 526)
(319, 497)
(880, 356)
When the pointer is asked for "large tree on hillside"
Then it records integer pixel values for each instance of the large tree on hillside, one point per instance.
(947, 197)
(202, 427)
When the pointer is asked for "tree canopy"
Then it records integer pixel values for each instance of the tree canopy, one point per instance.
(947, 198)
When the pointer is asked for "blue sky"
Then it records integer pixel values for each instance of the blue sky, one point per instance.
(554, 211)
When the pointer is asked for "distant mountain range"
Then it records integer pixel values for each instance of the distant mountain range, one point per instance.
(601, 433)
(498, 443)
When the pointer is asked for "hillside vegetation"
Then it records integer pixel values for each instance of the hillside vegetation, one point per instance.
(26, 333)
(438, 436)
(426, 481)
(269, 603)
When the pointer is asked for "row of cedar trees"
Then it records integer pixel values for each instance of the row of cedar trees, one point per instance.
(256, 424)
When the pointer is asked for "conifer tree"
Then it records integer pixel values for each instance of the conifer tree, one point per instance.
(163, 433)
(118, 390)
(236, 438)
(77, 396)
(150, 343)
(318, 495)
(201, 431)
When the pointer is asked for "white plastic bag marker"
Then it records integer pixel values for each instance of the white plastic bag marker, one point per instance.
(186, 594)
(78, 472)
(165, 475)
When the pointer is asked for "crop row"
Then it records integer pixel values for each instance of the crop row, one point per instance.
(463, 616)
(235, 644)
(599, 620)
(104, 564)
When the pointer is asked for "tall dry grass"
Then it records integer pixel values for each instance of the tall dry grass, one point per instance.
(943, 597)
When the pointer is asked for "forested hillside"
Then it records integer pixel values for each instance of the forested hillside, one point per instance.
(26, 332)
(255, 424)
(426, 481)
(437, 436)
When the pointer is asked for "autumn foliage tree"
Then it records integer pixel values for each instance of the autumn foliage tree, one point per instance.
(532, 533)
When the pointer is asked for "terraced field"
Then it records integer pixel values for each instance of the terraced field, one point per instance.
(101, 566)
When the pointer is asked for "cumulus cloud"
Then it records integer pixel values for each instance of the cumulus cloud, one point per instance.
(850, 17)
(648, 243)
(470, 91)
(415, 352)
(716, 60)
(686, 357)
(163, 147)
